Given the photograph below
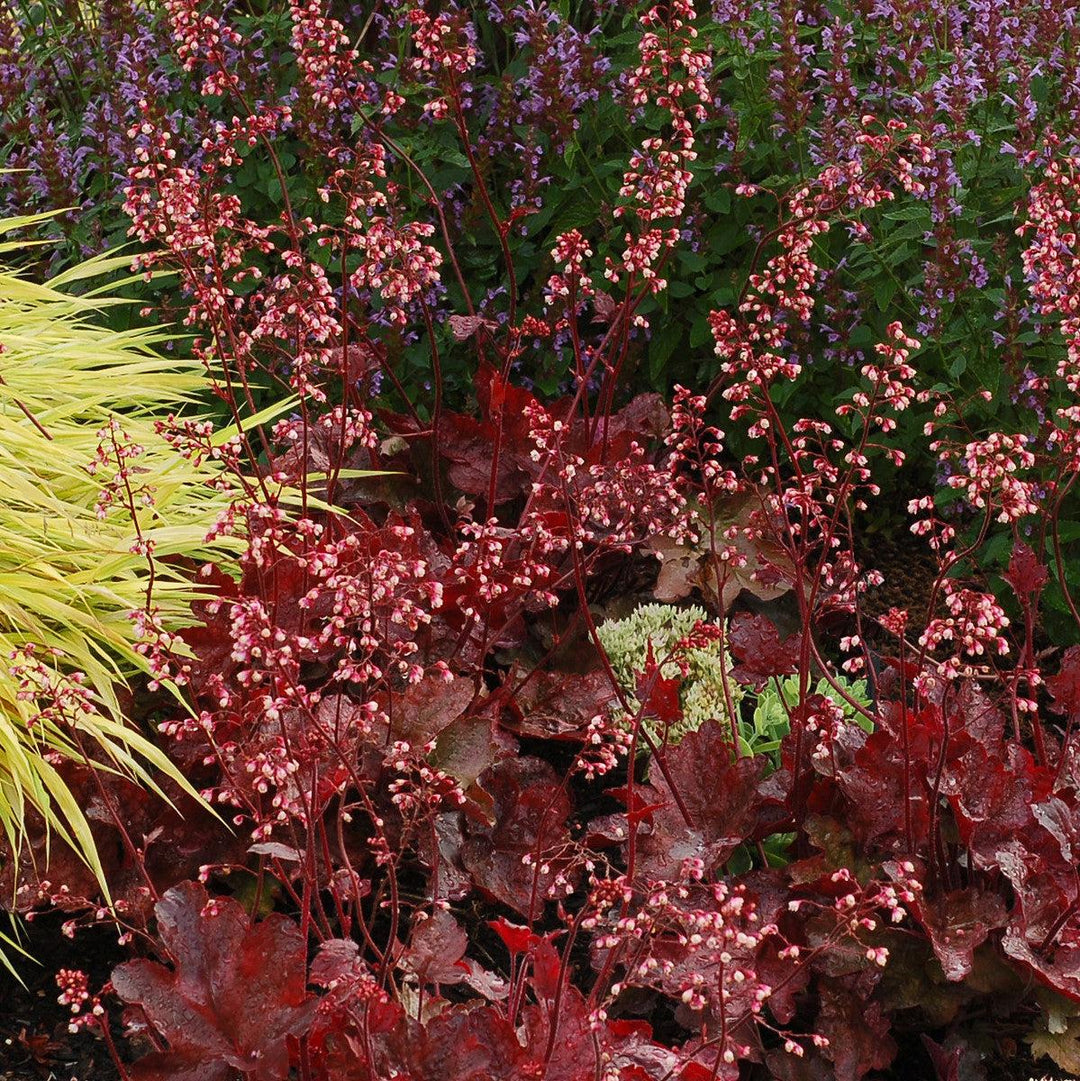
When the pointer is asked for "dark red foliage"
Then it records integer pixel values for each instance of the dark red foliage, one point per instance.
(958, 923)
(429, 707)
(1064, 687)
(757, 646)
(992, 797)
(436, 950)
(427, 816)
(516, 938)
(516, 859)
(875, 788)
(209, 637)
(658, 695)
(470, 1043)
(1044, 937)
(234, 996)
(857, 1029)
(465, 442)
(1026, 574)
(702, 801)
(399, 705)
(556, 705)
(168, 843)
(553, 1039)
(950, 1061)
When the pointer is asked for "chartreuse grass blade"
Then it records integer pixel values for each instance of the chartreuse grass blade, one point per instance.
(69, 578)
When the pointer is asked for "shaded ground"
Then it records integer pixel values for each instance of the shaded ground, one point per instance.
(35, 1044)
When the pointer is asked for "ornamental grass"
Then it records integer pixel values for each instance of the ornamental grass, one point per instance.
(100, 523)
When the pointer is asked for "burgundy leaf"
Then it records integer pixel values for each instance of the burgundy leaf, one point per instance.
(276, 850)
(428, 707)
(210, 638)
(957, 923)
(558, 705)
(946, 1063)
(1061, 822)
(1043, 936)
(461, 1044)
(436, 949)
(857, 1031)
(756, 645)
(642, 418)
(717, 792)
(877, 785)
(1056, 964)
(463, 327)
(1026, 574)
(441, 848)
(465, 749)
(516, 937)
(507, 859)
(992, 795)
(659, 696)
(189, 1027)
(180, 1066)
(955, 1060)
(237, 990)
(604, 305)
(466, 445)
(764, 569)
(1065, 686)
(337, 959)
(489, 984)
(977, 714)
(638, 1057)
(574, 1044)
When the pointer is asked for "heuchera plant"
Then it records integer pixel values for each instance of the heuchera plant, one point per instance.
(461, 847)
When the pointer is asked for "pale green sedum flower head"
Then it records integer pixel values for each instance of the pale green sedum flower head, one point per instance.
(626, 642)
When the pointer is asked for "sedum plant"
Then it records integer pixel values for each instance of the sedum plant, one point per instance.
(703, 671)
(98, 516)
(772, 711)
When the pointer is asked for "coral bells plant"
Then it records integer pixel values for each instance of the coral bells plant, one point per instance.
(558, 727)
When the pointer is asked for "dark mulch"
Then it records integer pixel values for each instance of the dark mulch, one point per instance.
(35, 1044)
(1006, 1058)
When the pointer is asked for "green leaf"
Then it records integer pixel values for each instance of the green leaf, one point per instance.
(700, 332)
(918, 211)
(693, 260)
(661, 346)
(884, 291)
(718, 200)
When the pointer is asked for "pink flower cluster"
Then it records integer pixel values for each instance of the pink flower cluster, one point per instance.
(325, 57)
(990, 478)
(974, 628)
(671, 75)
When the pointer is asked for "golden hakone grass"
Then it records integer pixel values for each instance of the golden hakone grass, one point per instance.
(69, 578)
